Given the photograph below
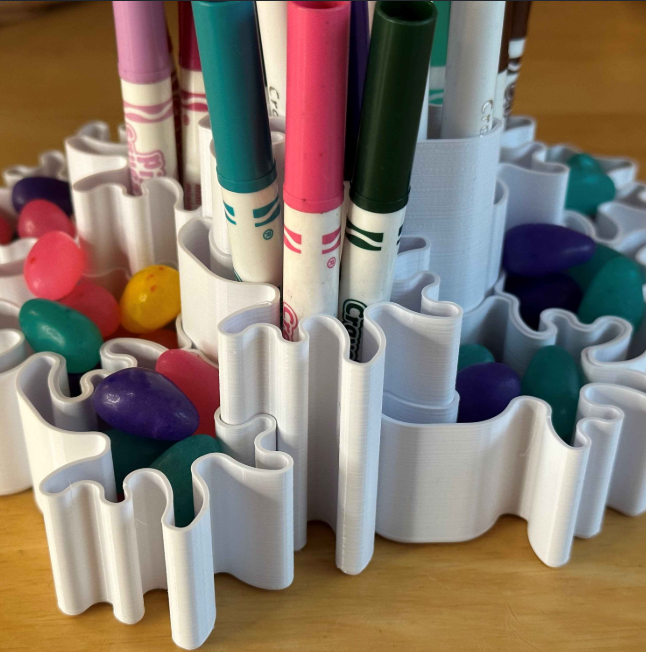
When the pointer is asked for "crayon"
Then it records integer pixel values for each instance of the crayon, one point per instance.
(475, 34)
(145, 72)
(194, 108)
(317, 82)
(400, 52)
(517, 38)
(230, 55)
(499, 101)
(272, 21)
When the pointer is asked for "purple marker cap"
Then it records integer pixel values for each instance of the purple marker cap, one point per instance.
(189, 56)
(142, 41)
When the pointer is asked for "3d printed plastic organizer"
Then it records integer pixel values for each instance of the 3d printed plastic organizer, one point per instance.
(307, 433)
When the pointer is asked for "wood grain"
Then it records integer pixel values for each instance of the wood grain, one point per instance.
(583, 79)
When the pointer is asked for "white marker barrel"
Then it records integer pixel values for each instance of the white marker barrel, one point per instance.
(193, 110)
(312, 244)
(255, 225)
(367, 266)
(272, 21)
(150, 127)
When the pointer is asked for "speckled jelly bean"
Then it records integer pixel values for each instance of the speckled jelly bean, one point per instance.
(143, 402)
(50, 326)
(485, 391)
(97, 304)
(6, 229)
(151, 299)
(40, 216)
(176, 463)
(54, 266)
(542, 249)
(48, 188)
(198, 379)
(588, 185)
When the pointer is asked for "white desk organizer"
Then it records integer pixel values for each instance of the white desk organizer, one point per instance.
(307, 433)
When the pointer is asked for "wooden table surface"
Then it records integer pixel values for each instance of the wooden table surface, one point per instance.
(583, 79)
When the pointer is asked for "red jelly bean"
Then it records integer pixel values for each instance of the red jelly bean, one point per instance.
(54, 266)
(97, 304)
(40, 216)
(199, 380)
(6, 229)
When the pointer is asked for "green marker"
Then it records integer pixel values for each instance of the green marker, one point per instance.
(438, 53)
(398, 62)
(230, 54)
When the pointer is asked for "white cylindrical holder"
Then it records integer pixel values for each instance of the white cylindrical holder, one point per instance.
(453, 188)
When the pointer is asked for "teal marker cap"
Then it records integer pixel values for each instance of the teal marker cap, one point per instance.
(229, 48)
(400, 53)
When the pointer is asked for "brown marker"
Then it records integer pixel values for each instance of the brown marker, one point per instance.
(499, 103)
(518, 34)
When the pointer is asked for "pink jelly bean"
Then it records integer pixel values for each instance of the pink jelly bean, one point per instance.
(97, 304)
(40, 216)
(199, 380)
(54, 266)
(6, 229)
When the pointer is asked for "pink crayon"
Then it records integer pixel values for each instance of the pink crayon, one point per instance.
(145, 70)
(317, 79)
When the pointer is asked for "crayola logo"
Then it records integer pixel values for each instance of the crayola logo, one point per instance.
(352, 318)
(368, 240)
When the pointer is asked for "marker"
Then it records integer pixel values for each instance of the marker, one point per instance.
(272, 20)
(317, 83)
(400, 52)
(517, 37)
(145, 71)
(194, 108)
(475, 33)
(230, 55)
(503, 63)
(177, 108)
(438, 53)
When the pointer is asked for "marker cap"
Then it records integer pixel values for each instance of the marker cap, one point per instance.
(142, 41)
(189, 56)
(317, 83)
(519, 18)
(503, 62)
(400, 52)
(441, 37)
(230, 54)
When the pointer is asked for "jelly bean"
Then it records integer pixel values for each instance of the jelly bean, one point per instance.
(97, 304)
(53, 190)
(50, 326)
(542, 249)
(538, 294)
(145, 403)
(471, 354)
(130, 453)
(588, 185)
(615, 290)
(485, 390)
(175, 464)
(583, 274)
(40, 216)
(151, 299)
(553, 376)
(164, 336)
(199, 380)
(6, 229)
(54, 266)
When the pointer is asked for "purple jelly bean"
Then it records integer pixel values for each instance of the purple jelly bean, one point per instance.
(145, 403)
(538, 294)
(542, 249)
(485, 390)
(53, 190)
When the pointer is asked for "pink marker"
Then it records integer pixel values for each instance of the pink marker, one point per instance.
(145, 71)
(317, 80)
(193, 105)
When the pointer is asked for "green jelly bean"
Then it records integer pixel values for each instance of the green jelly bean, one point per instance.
(50, 326)
(615, 290)
(588, 185)
(175, 464)
(553, 376)
(130, 452)
(471, 354)
(583, 274)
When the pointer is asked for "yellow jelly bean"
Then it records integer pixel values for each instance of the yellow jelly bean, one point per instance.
(151, 299)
